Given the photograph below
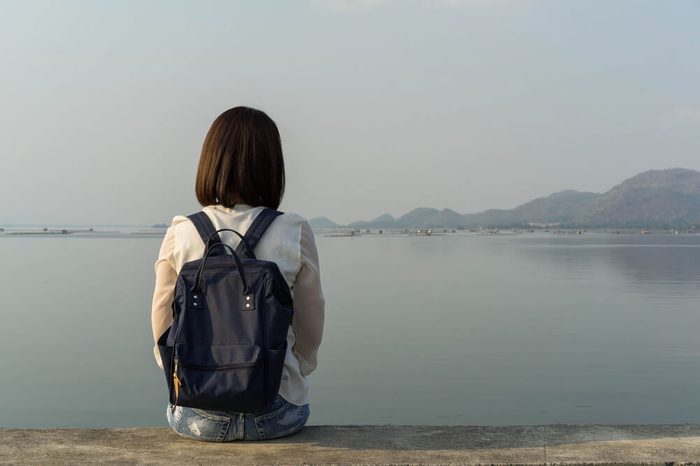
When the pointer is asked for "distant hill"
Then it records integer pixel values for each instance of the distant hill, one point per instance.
(321, 223)
(383, 221)
(658, 198)
(424, 217)
(562, 207)
(653, 199)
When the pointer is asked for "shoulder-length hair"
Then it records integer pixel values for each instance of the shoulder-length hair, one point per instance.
(241, 159)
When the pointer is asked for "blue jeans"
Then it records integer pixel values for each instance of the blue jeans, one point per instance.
(282, 419)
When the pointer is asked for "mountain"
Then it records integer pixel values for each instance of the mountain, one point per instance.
(562, 207)
(653, 199)
(383, 221)
(657, 198)
(320, 223)
(424, 217)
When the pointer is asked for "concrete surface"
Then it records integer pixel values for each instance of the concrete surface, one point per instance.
(560, 444)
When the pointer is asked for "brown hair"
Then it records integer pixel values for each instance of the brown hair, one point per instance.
(241, 160)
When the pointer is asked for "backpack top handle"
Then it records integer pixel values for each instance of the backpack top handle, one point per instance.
(239, 267)
(212, 241)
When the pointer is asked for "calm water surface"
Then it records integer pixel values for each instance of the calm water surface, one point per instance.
(455, 329)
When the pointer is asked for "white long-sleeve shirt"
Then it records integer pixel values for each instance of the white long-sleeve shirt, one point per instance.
(289, 242)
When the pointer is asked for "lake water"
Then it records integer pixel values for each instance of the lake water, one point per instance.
(456, 329)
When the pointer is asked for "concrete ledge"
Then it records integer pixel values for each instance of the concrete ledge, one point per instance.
(644, 444)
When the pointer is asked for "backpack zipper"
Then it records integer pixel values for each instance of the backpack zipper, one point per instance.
(223, 367)
(176, 383)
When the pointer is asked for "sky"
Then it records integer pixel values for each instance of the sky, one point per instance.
(383, 106)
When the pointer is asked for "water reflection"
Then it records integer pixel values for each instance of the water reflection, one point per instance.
(659, 267)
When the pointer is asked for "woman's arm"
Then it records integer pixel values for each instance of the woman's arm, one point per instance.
(161, 309)
(309, 304)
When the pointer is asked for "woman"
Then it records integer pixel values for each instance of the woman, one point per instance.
(240, 172)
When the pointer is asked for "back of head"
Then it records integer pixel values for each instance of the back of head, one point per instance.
(241, 161)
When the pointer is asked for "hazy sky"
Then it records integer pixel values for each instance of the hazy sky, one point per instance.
(383, 106)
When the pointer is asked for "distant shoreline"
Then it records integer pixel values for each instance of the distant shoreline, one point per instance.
(356, 232)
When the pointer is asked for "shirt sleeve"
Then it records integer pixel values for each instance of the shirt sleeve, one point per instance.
(309, 304)
(161, 309)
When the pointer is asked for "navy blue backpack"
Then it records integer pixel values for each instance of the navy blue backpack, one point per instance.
(231, 312)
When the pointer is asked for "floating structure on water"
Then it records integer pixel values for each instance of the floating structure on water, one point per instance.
(43, 232)
(426, 232)
(54, 231)
(344, 234)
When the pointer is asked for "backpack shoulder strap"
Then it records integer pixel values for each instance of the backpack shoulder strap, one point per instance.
(204, 227)
(256, 230)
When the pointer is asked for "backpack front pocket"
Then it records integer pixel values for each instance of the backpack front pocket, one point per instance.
(228, 377)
